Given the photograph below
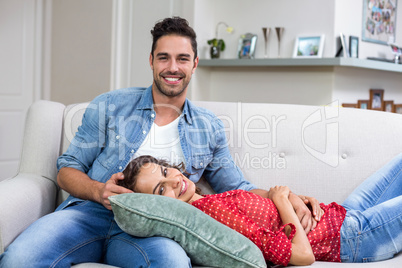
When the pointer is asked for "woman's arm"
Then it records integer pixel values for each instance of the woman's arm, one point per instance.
(302, 254)
(307, 218)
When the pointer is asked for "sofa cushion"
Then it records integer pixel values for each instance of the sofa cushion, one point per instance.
(206, 241)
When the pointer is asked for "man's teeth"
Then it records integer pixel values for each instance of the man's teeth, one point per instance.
(172, 79)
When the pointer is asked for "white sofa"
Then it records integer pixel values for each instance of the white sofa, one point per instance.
(323, 152)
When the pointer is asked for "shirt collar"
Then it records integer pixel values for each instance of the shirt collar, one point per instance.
(147, 102)
(187, 111)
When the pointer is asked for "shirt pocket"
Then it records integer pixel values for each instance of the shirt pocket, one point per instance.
(198, 165)
(113, 149)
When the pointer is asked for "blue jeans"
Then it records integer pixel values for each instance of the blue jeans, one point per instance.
(86, 232)
(372, 227)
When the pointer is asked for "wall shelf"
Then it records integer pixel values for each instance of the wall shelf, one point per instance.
(303, 62)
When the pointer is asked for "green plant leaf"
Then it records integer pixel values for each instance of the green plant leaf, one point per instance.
(221, 45)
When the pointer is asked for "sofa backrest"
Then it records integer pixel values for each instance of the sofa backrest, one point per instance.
(323, 152)
(319, 151)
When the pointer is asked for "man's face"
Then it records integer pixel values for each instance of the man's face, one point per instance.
(172, 64)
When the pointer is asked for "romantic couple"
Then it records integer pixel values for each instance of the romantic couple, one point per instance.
(108, 157)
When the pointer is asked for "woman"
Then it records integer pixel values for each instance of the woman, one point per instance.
(367, 227)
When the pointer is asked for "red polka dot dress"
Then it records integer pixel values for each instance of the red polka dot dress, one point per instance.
(258, 219)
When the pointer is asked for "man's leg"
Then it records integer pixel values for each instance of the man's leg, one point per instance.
(383, 185)
(61, 239)
(124, 250)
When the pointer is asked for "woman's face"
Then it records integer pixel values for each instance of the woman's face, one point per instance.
(160, 180)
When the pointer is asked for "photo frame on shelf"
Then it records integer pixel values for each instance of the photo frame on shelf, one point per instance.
(342, 46)
(389, 106)
(376, 99)
(309, 46)
(349, 105)
(379, 21)
(363, 104)
(398, 108)
(354, 46)
(246, 48)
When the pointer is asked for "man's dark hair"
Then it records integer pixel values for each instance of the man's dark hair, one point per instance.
(174, 26)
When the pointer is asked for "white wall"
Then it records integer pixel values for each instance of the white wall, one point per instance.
(354, 84)
(348, 20)
(307, 17)
(75, 79)
(140, 19)
(21, 27)
(289, 85)
(80, 50)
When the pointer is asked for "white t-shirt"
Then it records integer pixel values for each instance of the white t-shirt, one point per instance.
(163, 143)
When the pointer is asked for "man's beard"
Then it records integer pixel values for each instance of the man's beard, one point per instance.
(165, 90)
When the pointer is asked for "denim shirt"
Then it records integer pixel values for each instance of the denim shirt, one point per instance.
(116, 123)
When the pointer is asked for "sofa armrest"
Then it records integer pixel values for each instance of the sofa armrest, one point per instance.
(42, 139)
(23, 199)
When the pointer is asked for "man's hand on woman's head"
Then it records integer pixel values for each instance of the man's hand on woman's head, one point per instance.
(111, 188)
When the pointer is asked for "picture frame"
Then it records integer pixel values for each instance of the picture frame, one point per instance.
(342, 46)
(379, 21)
(349, 105)
(389, 106)
(395, 49)
(309, 46)
(363, 104)
(376, 99)
(398, 108)
(246, 47)
(354, 46)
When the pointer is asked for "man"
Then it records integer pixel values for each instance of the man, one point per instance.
(117, 127)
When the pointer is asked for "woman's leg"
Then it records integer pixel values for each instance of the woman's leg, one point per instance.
(374, 234)
(61, 239)
(124, 250)
(383, 185)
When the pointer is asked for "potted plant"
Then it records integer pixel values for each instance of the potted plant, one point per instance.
(218, 45)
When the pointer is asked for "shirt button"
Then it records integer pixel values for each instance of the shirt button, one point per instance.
(152, 115)
(117, 137)
(201, 164)
(132, 151)
(144, 132)
(120, 167)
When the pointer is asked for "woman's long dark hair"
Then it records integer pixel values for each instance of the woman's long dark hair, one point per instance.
(133, 169)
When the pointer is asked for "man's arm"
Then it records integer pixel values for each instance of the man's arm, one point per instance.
(78, 184)
(299, 204)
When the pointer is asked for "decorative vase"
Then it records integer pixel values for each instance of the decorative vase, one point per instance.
(214, 52)
(279, 33)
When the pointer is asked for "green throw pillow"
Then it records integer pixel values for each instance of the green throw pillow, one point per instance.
(206, 241)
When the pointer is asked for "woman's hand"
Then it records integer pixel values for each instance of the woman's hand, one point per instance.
(308, 218)
(315, 206)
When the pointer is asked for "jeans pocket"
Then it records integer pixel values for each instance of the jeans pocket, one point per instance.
(76, 203)
(345, 258)
(381, 257)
